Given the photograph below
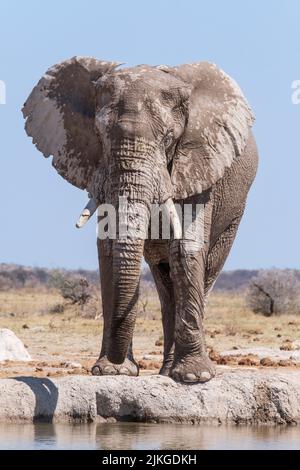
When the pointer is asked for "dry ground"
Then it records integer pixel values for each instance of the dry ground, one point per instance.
(57, 340)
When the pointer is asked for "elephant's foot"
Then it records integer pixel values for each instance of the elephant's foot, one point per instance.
(166, 367)
(104, 367)
(193, 369)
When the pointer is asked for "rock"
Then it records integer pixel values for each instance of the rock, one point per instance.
(295, 356)
(285, 363)
(143, 364)
(287, 345)
(71, 365)
(214, 355)
(11, 347)
(275, 354)
(228, 360)
(249, 360)
(267, 362)
(232, 397)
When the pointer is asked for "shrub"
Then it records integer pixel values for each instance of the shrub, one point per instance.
(77, 290)
(274, 291)
(57, 308)
(93, 307)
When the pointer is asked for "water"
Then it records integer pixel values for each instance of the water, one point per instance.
(108, 436)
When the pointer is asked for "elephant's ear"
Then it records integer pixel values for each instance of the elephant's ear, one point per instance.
(60, 114)
(217, 129)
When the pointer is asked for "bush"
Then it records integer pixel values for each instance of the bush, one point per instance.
(273, 292)
(93, 307)
(77, 290)
(57, 308)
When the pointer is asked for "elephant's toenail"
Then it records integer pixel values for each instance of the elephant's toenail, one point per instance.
(190, 377)
(96, 370)
(109, 370)
(123, 371)
(205, 376)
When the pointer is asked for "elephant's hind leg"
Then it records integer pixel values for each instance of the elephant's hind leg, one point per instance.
(103, 366)
(164, 285)
(218, 253)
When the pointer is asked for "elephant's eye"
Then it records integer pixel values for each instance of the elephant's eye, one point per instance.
(168, 139)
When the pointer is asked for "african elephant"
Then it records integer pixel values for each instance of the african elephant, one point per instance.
(155, 134)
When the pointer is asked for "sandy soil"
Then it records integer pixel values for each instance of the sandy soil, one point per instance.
(57, 341)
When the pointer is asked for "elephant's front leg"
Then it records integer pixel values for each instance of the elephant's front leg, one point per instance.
(191, 362)
(103, 366)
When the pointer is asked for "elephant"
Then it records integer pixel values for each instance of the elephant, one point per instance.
(156, 135)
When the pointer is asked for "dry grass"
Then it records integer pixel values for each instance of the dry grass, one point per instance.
(53, 338)
(238, 326)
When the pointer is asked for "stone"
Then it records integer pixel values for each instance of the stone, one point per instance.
(285, 363)
(236, 396)
(249, 360)
(268, 362)
(295, 356)
(11, 347)
(275, 354)
(72, 365)
(287, 345)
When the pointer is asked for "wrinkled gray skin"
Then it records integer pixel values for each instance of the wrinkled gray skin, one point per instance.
(151, 133)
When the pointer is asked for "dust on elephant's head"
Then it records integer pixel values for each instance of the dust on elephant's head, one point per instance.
(179, 126)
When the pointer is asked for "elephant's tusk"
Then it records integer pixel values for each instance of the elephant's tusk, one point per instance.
(174, 219)
(87, 213)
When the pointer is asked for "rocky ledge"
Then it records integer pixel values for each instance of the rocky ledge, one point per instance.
(239, 396)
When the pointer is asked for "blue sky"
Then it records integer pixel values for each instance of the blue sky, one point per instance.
(257, 42)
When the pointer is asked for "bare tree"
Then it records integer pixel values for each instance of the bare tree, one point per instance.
(146, 299)
(143, 303)
(274, 291)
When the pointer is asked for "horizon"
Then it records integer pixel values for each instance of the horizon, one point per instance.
(144, 265)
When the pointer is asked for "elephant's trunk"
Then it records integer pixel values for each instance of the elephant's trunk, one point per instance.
(130, 179)
(127, 257)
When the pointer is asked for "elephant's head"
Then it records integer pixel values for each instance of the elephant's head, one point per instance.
(152, 134)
